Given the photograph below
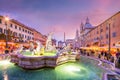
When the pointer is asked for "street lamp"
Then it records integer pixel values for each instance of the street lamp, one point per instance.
(6, 20)
(109, 46)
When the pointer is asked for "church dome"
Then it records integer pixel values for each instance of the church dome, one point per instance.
(87, 24)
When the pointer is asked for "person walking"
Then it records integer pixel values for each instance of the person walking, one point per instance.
(117, 61)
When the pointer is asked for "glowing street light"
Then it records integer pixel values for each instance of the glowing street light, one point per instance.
(6, 18)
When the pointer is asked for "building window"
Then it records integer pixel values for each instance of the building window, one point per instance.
(97, 38)
(97, 32)
(5, 23)
(19, 35)
(19, 28)
(11, 25)
(11, 32)
(0, 21)
(107, 42)
(15, 27)
(23, 30)
(113, 44)
(107, 36)
(23, 35)
(101, 30)
(28, 38)
(114, 34)
(113, 25)
(101, 37)
(0, 30)
(5, 31)
(15, 34)
(107, 28)
(109, 25)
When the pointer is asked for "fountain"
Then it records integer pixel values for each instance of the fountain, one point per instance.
(43, 56)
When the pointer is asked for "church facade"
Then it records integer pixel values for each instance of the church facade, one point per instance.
(84, 30)
(106, 34)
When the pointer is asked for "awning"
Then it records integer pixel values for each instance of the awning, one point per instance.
(117, 44)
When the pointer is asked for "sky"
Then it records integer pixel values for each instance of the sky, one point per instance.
(59, 16)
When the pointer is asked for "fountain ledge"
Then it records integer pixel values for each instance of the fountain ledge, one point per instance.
(36, 62)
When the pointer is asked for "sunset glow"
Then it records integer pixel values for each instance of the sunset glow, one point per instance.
(59, 16)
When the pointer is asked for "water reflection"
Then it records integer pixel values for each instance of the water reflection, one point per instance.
(5, 75)
(5, 64)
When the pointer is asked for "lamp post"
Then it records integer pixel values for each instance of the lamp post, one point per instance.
(6, 20)
(109, 48)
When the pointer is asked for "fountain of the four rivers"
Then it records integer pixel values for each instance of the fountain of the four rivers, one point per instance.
(43, 56)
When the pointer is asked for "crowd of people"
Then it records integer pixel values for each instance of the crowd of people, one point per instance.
(5, 50)
(104, 55)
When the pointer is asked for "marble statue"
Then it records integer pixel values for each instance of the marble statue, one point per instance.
(42, 50)
(31, 46)
(49, 46)
(37, 50)
(66, 49)
(20, 49)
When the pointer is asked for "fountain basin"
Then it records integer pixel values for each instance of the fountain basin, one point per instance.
(84, 69)
(36, 62)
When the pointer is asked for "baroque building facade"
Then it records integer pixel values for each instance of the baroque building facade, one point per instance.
(84, 30)
(18, 32)
(104, 35)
